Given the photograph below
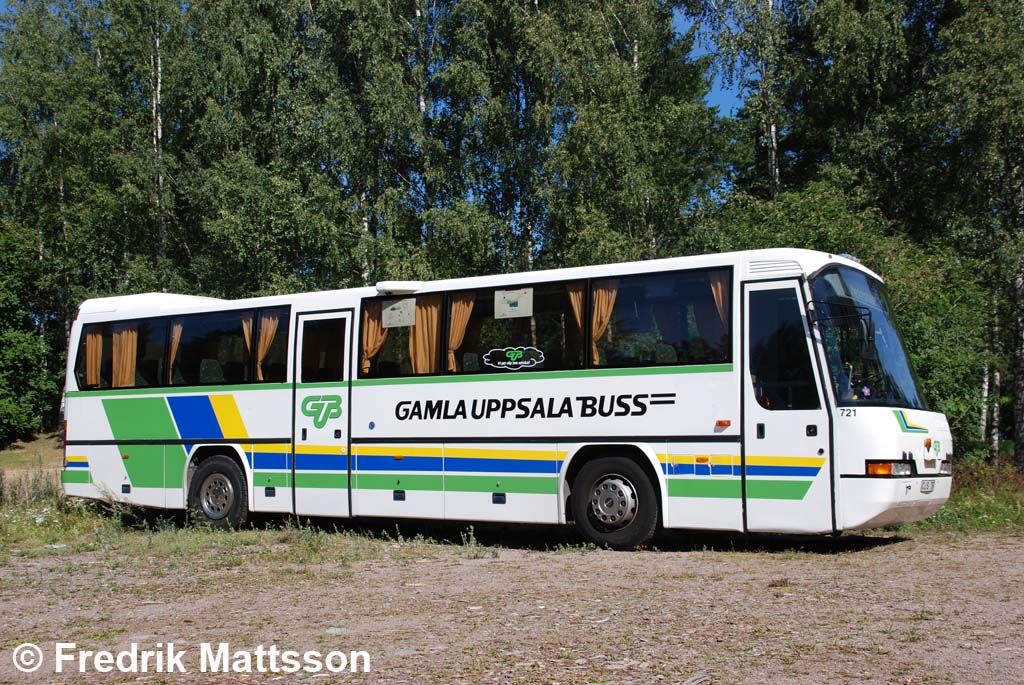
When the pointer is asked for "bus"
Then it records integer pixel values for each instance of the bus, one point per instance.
(758, 391)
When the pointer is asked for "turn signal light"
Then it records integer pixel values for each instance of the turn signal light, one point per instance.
(927, 443)
(890, 468)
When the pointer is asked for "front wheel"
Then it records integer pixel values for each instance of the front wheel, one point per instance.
(614, 503)
(217, 494)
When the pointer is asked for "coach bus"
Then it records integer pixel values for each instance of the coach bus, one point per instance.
(761, 391)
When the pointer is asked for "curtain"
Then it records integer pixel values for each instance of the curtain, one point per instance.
(268, 329)
(93, 356)
(424, 335)
(462, 309)
(126, 343)
(247, 332)
(577, 295)
(719, 285)
(374, 333)
(604, 303)
(176, 327)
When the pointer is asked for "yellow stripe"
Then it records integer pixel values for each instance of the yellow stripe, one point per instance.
(320, 449)
(785, 461)
(230, 420)
(77, 460)
(273, 447)
(473, 453)
(402, 451)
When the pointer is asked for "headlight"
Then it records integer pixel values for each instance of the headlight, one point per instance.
(890, 468)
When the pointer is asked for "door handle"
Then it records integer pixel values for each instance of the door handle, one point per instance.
(760, 431)
(812, 431)
(303, 433)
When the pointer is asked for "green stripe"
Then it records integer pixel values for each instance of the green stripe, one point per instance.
(777, 489)
(549, 375)
(321, 480)
(192, 389)
(75, 476)
(732, 489)
(516, 484)
(375, 481)
(687, 487)
(271, 479)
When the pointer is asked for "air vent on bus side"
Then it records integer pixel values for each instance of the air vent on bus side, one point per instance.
(773, 267)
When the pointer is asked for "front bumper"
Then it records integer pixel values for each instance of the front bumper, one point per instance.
(874, 502)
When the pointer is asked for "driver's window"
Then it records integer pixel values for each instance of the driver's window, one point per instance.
(780, 363)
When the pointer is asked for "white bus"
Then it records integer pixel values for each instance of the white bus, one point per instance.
(754, 391)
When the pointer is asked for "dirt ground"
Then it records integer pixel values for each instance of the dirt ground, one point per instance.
(916, 608)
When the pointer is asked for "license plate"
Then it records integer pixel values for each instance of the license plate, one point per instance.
(927, 486)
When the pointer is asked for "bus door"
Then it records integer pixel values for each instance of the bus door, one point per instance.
(786, 463)
(320, 468)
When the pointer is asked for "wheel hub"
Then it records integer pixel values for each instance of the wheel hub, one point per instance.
(216, 496)
(613, 501)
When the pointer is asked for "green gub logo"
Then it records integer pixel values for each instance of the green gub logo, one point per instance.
(514, 355)
(322, 408)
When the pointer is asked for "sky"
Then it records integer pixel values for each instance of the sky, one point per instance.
(726, 99)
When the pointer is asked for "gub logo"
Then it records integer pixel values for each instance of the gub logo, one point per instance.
(322, 408)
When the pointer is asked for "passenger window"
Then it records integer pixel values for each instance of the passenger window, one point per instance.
(121, 354)
(272, 345)
(780, 363)
(662, 319)
(323, 350)
(400, 337)
(210, 349)
(533, 328)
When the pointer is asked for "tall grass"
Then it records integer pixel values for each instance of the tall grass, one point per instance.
(985, 496)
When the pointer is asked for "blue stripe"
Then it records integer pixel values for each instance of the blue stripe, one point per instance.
(377, 463)
(271, 460)
(783, 471)
(475, 465)
(321, 462)
(194, 417)
(77, 465)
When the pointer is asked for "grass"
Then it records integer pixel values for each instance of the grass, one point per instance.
(985, 497)
(45, 452)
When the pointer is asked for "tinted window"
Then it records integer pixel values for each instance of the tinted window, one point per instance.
(272, 345)
(780, 363)
(662, 319)
(211, 349)
(533, 328)
(122, 354)
(323, 350)
(400, 337)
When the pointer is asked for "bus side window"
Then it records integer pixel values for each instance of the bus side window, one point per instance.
(323, 350)
(211, 349)
(515, 329)
(94, 362)
(662, 319)
(780, 363)
(400, 337)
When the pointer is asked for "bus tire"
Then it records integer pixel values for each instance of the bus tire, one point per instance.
(217, 494)
(614, 503)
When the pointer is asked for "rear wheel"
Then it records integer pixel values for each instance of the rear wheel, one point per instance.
(614, 503)
(217, 494)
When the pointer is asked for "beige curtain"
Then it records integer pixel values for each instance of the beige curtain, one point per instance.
(424, 335)
(126, 343)
(176, 328)
(604, 294)
(374, 333)
(268, 329)
(462, 309)
(719, 286)
(247, 332)
(577, 296)
(93, 356)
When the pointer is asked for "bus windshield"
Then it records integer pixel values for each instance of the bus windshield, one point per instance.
(868, 365)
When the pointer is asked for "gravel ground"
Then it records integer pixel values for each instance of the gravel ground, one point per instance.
(914, 608)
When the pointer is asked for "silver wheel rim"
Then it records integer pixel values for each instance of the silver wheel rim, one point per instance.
(216, 496)
(613, 501)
